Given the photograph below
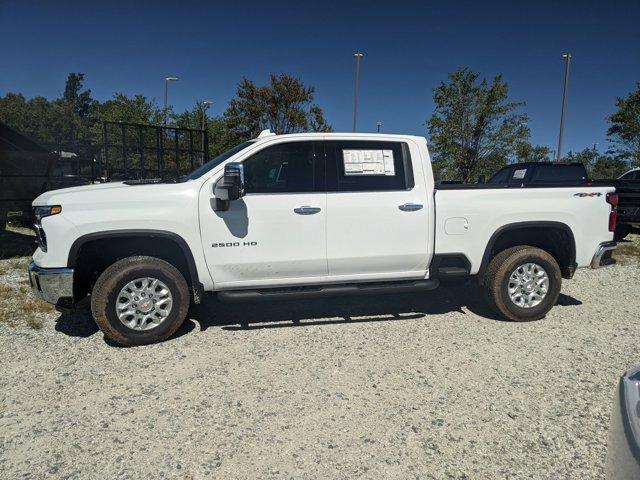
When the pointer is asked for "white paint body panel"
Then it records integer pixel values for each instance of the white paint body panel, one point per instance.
(111, 207)
(358, 236)
(287, 245)
(488, 210)
(368, 235)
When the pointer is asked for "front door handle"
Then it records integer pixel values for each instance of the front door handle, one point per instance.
(410, 207)
(306, 210)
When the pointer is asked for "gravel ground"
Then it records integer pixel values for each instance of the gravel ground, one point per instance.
(411, 386)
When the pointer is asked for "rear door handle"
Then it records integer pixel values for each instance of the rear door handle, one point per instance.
(410, 207)
(306, 210)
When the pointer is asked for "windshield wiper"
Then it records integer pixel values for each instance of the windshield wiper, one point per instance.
(144, 181)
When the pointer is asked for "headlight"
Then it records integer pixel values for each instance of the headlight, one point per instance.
(39, 213)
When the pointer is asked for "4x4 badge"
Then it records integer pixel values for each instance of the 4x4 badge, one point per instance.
(590, 194)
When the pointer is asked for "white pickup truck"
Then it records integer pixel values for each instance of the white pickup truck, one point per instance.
(305, 215)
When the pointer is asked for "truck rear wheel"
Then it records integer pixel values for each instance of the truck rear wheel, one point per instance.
(140, 300)
(523, 283)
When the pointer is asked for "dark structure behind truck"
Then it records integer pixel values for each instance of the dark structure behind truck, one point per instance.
(136, 151)
(25, 172)
(628, 205)
(128, 151)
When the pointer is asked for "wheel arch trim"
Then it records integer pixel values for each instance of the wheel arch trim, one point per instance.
(197, 286)
(486, 257)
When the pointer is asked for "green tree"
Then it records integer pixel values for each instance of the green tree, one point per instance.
(16, 112)
(599, 166)
(75, 119)
(73, 93)
(607, 167)
(62, 121)
(283, 106)
(624, 130)
(121, 108)
(475, 129)
(220, 136)
(525, 152)
(136, 109)
(48, 122)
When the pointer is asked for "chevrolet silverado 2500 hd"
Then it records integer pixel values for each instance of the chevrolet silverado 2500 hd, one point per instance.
(303, 215)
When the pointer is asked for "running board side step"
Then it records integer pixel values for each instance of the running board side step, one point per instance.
(296, 293)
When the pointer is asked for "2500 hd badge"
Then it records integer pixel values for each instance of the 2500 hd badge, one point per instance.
(234, 244)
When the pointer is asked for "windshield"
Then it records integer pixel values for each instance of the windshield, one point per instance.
(211, 164)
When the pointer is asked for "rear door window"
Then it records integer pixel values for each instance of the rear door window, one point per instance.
(355, 165)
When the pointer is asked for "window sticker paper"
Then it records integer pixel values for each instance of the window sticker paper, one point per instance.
(519, 174)
(368, 162)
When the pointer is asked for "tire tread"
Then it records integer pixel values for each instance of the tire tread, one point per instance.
(107, 281)
(497, 271)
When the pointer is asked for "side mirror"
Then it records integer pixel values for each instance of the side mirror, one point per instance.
(230, 186)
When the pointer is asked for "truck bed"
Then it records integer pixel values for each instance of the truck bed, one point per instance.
(466, 218)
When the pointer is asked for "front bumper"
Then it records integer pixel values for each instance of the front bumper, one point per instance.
(54, 285)
(602, 257)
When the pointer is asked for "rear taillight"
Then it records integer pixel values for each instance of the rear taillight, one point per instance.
(612, 199)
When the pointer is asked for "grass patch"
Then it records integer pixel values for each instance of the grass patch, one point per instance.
(19, 308)
(18, 305)
(9, 265)
(18, 263)
(628, 252)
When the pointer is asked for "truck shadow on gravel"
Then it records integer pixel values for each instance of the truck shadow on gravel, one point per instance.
(302, 313)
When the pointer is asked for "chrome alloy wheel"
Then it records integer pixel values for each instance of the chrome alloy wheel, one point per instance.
(528, 285)
(144, 303)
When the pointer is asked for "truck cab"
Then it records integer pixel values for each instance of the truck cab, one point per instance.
(307, 216)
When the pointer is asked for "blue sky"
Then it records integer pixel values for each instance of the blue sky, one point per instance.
(409, 48)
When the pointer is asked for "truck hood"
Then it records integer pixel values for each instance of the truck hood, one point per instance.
(112, 191)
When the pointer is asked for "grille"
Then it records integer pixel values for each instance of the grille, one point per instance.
(41, 238)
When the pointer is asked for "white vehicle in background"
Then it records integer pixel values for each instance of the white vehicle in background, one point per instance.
(306, 215)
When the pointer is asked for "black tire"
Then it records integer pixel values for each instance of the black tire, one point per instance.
(113, 280)
(497, 277)
(621, 232)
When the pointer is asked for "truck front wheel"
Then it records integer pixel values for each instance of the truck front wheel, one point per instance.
(140, 300)
(523, 283)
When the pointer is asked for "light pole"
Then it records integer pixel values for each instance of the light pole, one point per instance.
(166, 91)
(205, 104)
(357, 56)
(379, 124)
(567, 62)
